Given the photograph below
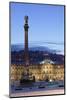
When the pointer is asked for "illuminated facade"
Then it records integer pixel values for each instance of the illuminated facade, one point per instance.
(59, 72)
(43, 71)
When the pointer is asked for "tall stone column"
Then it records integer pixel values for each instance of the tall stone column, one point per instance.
(26, 41)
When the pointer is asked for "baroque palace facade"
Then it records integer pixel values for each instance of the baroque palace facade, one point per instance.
(43, 71)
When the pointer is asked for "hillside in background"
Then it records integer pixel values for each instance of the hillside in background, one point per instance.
(36, 55)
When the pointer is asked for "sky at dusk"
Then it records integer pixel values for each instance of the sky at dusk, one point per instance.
(46, 24)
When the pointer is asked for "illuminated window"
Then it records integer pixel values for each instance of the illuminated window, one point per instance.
(58, 66)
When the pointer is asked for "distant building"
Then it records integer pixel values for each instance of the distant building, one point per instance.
(46, 70)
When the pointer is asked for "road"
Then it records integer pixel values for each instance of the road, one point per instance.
(36, 93)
